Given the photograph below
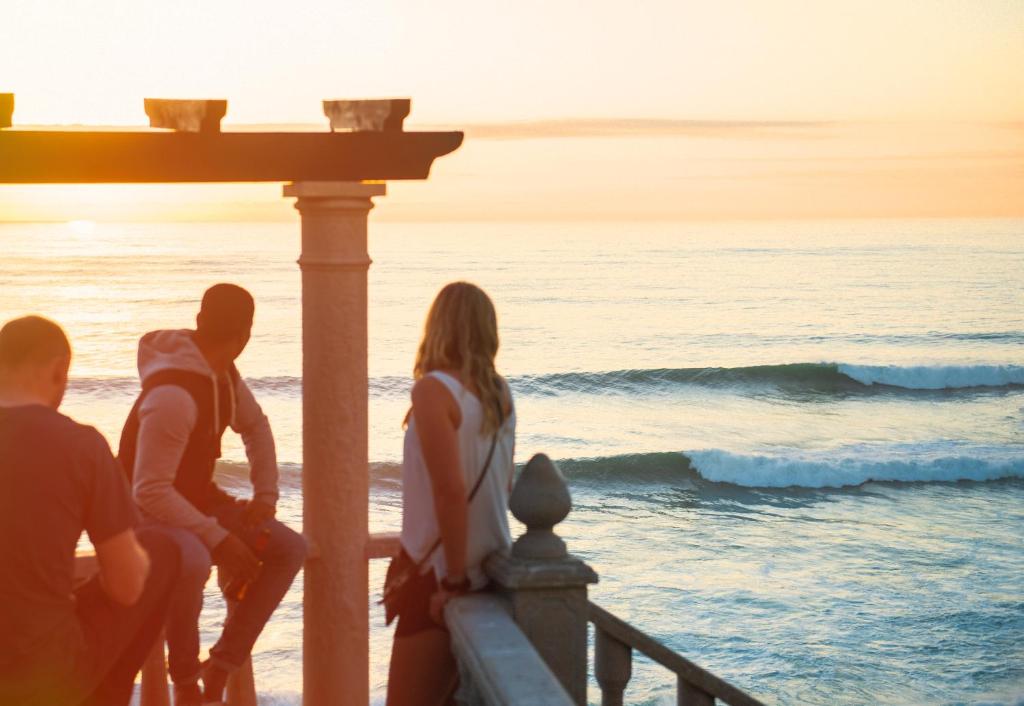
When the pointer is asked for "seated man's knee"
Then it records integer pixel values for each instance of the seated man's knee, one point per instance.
(291, 547)
(196, 565)
(165, 554)
(195, 557)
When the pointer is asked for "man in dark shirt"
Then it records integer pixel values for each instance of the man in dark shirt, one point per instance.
(61, 645)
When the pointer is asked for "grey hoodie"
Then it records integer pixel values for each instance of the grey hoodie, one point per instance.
(166, 419)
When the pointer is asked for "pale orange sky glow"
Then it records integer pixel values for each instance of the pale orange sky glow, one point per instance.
(573, 109)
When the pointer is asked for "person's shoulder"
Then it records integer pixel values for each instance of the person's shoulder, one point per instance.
(431, 389)
(40, 417)
(62, 430)
(428, 384)
(168, 398)
(88, 436)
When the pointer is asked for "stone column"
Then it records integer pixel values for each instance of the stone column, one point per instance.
(546, 586)
(335, 467)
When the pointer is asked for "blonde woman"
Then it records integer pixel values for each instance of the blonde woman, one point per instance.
(456, 475)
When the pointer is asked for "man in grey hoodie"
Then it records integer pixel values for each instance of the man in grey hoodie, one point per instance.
(191, 393)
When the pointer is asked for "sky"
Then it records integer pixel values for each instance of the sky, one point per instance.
(903, 107)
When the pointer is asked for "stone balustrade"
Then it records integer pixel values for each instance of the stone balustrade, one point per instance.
(540, 598)
(497, 663)
(614, 642)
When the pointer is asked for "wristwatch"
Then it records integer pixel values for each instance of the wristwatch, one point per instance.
(456, 586)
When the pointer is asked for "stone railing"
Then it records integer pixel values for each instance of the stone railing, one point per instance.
(614, 642)
(497, 663)
(542, 590)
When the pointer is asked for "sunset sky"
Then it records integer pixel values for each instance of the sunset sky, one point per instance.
(572, 109)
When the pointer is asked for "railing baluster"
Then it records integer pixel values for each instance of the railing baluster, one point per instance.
(690, 695)
(695, 686)
(241, 686)
(613, 666)
(153, 689)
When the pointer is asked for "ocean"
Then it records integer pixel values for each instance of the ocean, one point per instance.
(795, 449)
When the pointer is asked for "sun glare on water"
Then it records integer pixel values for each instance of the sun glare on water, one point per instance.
(82, 227)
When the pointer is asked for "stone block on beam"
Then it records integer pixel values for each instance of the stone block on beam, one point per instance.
(335, 189)
(384, 115)
(186, 115)
(6, 110)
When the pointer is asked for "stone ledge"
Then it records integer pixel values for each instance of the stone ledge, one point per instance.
(503, 666)
(516, 574)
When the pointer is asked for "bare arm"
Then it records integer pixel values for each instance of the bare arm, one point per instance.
(437, 420)
(124, 566)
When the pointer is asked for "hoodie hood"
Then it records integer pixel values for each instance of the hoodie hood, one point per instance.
(170, 350)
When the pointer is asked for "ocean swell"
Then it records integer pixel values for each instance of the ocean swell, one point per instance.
(856, 466)
(820, 378)
(793, 468)
(940, 377)
(809, 377)
(935, 462)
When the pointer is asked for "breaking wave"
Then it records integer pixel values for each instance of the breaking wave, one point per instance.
(942, 377)
(943, 462)
(838, 378)
(853, 467)
(937, 462)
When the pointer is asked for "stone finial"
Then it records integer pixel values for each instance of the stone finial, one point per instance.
(186, 115)
(6, 110)
(540, 500)
(383, 115)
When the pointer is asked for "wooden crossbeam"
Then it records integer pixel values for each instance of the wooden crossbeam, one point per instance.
(73, 157)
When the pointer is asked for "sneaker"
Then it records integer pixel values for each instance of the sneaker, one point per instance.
(188, 695)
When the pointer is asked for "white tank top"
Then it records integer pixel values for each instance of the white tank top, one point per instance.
(488, 512)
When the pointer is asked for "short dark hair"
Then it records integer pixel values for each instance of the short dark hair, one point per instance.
(226, 312)
(31, 339)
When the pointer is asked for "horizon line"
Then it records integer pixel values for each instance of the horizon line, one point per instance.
(557, 219)
(570, 127)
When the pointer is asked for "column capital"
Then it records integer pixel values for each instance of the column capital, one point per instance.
(335, 189)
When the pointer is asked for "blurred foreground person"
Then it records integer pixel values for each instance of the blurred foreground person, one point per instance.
(61, 645)
(191, 394)
(456, 476)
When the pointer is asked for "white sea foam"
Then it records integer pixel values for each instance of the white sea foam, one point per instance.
(854, 466)
(939, 377)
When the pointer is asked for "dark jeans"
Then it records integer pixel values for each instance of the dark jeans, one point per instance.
(282, 558)
(118, 638)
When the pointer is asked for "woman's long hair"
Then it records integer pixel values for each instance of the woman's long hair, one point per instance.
(461, 333)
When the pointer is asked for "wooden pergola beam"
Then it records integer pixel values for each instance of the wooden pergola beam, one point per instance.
(72, 157)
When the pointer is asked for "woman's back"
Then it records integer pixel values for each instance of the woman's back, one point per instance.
(488, 528)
